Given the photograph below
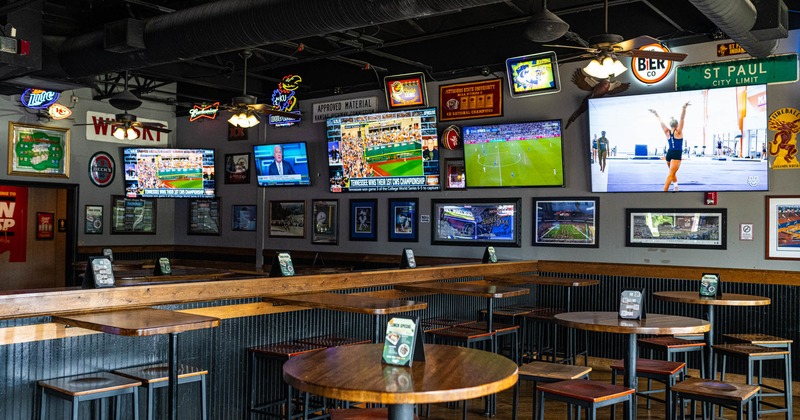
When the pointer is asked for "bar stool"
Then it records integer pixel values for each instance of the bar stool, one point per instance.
(546, 317)
(156, 376)
(332, 340)
(585, 393)
(730, 395)
(500, 330)
(670, 346)
(89, 387)
(361, 414)
(764, 340)
(546, 373)
(658, 370)
(751, 354)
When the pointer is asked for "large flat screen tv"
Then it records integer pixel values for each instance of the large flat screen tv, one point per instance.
(724, 135)
(168, 173)
(281, 164)
(388, 151)
(527, 154)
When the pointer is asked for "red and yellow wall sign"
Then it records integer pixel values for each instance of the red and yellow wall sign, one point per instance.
(470, 100)
(13, 222)
(786, 123)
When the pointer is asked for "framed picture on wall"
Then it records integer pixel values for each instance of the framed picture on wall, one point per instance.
(676, 228)
(325, 217)
(133, 215)
(403, 219)
(364, 220)
(287, 219)
(38, 150)
(204, 217)
(565, 221)
(93, 220)
(45, 225)
(782, 227)
(243, 218)
(454, 176)
(237, 168)
(476, 222)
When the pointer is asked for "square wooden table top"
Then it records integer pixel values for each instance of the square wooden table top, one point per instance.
(350, 303)
(138, 322)
(477, 288)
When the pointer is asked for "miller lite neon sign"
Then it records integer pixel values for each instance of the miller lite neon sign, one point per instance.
(38, 98)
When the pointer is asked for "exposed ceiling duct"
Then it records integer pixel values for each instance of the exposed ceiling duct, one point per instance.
(230, 25)
(736, 18)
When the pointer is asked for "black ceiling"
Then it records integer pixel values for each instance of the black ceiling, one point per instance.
(356, 56)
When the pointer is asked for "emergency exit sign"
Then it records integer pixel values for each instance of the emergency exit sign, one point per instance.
(749, 71)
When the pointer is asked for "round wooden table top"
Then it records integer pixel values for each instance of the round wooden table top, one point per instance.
(726, 299)
(652, 324)
(355, 373)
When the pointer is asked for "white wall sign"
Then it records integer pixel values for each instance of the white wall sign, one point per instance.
(324, 110)
(101, 130)
(746, 232)
(649, 70)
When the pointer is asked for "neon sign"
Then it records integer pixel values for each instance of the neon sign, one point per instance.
(207, 111)
(283, 99)
(38, 98)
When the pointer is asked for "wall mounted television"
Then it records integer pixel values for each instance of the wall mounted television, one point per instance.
(168, 173)
(387, 151)
(533, 74)
(528, 154)
(281, 164)
(724, 135)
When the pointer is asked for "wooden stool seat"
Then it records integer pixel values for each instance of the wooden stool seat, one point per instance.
(361, 414)
(662, 371)
(88, 387)
(284, 350)
(670, 342)
(546, 372)
(157, 376)
(655, 367)
(748, 350)
(758, 339)
(544, 314)
(731, 395)
(585, 393)
(463, 333)
(497, 327)
(447, 322)
(332, 341)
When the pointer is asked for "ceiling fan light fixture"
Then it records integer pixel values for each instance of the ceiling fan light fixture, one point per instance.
(245, 119)
(608, 67)
(123, 133)
(119, 133)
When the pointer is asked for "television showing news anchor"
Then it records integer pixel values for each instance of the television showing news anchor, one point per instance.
(279, 166)
(284, 164)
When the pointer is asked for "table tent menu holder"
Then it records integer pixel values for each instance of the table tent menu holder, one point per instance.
(99, 273)
(710, 285)
(631, 304)
(281, 265)
(407, 259)
(403, 344)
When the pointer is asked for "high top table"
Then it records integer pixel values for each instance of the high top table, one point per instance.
(145, 322)
(653, 324)
(355, 373)
(351, 303)
(726, 299)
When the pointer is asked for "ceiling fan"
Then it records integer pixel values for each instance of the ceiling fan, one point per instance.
(607, 45)
(245, 108)
(125, 124)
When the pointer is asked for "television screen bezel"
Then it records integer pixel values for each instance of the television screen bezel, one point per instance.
(308, 163)
(531, 57)
(466, 164)
(138, 196)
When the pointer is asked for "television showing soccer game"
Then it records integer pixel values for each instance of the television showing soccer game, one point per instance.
(168, 173)
(527, 154)
(388, 151)
(696, 140)
(281, 164)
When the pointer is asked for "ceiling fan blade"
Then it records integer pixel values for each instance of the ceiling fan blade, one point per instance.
(658, 55)
(575, 59)
(267, 109)
(161, 128)
(570, 46)
(635, 43)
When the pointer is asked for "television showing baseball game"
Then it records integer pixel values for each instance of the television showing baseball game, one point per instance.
(528, 154)
(168, 173)
(281, 164)
(387, 151)
(694, 140)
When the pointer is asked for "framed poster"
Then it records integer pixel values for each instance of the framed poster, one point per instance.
(676, 228)
(476, 222)
(455, 178)
(45, 225)
(243, 218)
(325, 214)
(565, 221)
(93, 220)
(364, 220)
(783, 227)
(37, 150)
(133, 215)
(403, 219)
(470, 100)
(405, 91)
(204, 216)
(287, 219)
(237, 168)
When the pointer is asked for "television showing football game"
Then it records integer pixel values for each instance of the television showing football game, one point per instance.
(696, 140)
(388, 151)
(525, 154)
(281, 164)
(168, 173)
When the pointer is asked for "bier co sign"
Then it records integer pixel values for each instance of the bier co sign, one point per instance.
(38, 98)
(101, 169)
(651, 70)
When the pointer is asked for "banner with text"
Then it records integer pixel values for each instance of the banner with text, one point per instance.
(13, 222)
(324, 110)
(101, 130)
(748, 71)
(470, 100)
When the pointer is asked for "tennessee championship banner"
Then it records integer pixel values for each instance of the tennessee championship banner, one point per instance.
(13, 223)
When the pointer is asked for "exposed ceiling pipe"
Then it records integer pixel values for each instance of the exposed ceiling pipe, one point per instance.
(736, 18)
(231, 25)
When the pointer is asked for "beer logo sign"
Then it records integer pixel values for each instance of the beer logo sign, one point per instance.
(651, 70)
(101, 169)
(451, 137)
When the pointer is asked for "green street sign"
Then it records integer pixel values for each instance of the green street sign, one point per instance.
(748, 71)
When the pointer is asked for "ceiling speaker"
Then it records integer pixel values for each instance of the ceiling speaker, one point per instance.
(545, 26)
